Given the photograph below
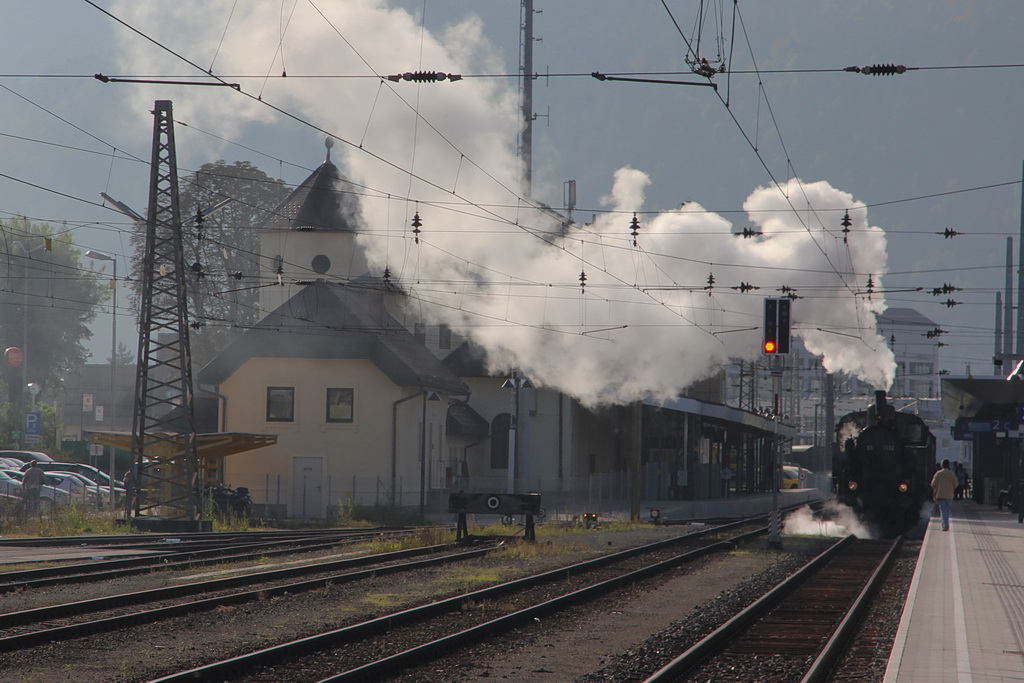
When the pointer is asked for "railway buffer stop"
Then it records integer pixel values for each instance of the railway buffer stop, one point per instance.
(505, 504)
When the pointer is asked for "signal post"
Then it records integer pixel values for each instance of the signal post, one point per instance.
(775, 343)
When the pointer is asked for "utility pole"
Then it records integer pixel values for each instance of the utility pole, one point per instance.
(526, 69)
(163, 426)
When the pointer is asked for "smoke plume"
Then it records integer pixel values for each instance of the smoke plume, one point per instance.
(590, 309)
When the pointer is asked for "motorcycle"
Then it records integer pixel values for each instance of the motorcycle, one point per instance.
(229, 502)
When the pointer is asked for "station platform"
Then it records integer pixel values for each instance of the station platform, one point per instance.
(747, 505)
(964, 617)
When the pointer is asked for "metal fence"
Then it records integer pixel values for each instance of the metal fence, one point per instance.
(605, 493)
(601, 493)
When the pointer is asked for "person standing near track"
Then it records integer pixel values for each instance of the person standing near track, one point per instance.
(944, 484)
(31, 485)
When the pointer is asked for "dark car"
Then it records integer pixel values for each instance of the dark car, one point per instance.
(88, 471)
(26, 456)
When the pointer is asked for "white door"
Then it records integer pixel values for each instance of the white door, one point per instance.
(307, 482)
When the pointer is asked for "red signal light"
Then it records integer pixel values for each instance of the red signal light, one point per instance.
(769, 346)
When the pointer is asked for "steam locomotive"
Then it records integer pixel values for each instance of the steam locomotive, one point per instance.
(884, 465)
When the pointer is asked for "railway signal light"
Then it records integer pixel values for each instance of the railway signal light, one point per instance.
(776, 326)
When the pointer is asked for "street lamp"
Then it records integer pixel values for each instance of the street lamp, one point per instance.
(427, 396)
(24, 327)
(100, 256)
(514, 382)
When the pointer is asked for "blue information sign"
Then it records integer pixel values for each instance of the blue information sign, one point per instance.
(965, 428)
(32, 424)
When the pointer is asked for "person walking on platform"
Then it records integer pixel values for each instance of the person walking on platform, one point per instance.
(944, 484)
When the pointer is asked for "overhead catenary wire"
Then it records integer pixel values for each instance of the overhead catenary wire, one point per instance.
(764, 72)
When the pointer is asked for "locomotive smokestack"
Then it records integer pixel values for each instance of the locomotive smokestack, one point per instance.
(876, 413)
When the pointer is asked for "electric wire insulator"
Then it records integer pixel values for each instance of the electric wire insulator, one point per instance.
(416, 225)
(424, 77)
(878, 69)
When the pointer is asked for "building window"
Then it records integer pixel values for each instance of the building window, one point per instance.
(340, 404)
(921, 369)
(321, 264)
(444, 337)
(920, 388)
(280, 404)
(500, 427)
(419, 331)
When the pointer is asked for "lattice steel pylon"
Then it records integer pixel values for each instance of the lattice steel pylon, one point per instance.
(163, 427)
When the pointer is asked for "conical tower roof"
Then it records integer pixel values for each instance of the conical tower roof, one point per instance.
(325, 202)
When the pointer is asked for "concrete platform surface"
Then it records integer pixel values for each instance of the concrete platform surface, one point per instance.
(964, 617)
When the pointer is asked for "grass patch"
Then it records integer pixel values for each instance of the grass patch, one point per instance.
(423, 537)
(383, 600)
(350, 513)
(68, 520)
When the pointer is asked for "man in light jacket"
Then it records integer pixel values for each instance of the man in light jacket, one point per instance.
(31, 485)
(944, 485)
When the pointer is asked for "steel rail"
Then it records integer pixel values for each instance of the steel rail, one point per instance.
(114, 568)
(221, 670)
(106, 624)
(822, 666)
(720, 637)
(37, 614)
(120, 540)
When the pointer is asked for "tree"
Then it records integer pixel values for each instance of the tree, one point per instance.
(222, 250)
(47, 301)
(124, 355)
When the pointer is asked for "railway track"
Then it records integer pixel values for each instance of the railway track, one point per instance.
(798, 630)
(183, 555)
(367, 650)
(26, 628)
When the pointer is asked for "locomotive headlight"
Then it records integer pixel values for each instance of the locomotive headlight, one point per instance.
(852, 486)
(903, 487)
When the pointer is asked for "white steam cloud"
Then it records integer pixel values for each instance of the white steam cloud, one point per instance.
(509, 275)
(835, 520)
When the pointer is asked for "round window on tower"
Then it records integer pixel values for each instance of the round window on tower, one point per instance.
(321, 264)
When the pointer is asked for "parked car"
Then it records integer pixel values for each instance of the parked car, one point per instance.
(49, 492)
(79, 489)
(99, 495)
(97, 476)
(26, 456)
(10, 484)
(11, 463)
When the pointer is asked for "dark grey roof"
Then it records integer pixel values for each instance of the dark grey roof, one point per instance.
(331, 321)
(468, 360)
(464, 421)
(903, 316)
(326, 202)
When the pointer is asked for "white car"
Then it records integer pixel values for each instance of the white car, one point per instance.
(90, 491)
(48, 492)
(10, 483)
(76, 488)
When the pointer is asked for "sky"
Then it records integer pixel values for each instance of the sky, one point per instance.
(787, 144)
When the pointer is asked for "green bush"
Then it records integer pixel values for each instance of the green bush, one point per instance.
(377, 515)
